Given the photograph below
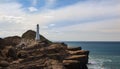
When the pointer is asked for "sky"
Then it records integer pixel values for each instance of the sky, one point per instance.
(62, 20)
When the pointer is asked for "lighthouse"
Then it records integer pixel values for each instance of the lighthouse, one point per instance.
(37, 33)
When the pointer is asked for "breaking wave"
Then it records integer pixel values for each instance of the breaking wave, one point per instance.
(98, 63)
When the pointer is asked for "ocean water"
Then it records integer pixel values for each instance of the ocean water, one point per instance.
(103, 55)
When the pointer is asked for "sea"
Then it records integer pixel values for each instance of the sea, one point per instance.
(103, 55)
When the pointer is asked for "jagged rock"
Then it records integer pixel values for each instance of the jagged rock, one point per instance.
(12, 53)
(43, 54)
(13, 40)
(79, 52)
(1, 54)
(2, 43)
(70, 62)
(4, 64)
(81, 58)
(9, 52)
(57, 50)
(74, 48)
(17, 61)
(54, 64)
(74, 64)
(30, 34)
(32, 58)
(22, 54)
(58, 45)
(41, 63)
(35, 46)
(31, 67)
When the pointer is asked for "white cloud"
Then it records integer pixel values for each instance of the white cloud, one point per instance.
(11, 9)
(107, 30)
(72, 13)
(105, 26)
(79, 11)
(13, 19)
(84, 10)
(52, 25)
(32, 9)
(44, 27)
(33, 4)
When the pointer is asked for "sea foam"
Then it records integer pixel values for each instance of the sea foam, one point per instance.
(97, 63)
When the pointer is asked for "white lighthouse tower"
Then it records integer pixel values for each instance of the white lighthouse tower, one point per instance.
(37, 33)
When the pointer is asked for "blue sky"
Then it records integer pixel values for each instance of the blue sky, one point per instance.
(71, 20)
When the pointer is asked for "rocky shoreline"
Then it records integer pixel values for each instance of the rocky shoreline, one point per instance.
(21, 53)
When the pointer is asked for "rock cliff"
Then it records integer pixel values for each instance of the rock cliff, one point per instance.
(31, 54)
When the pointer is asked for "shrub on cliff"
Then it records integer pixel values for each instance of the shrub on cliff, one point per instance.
(30, 34)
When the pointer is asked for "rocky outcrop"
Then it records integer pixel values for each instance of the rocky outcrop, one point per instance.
(77, 59)
(80, 58)
(54, 56)
(74, 48)
(2, 42)
(74, 64)
(48, 57)
(13, 40)
(30, 34)
(4, 64)
(9, 53)
(79, 52)
(26, 53)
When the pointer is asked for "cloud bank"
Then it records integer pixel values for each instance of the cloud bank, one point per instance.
(83, 20)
